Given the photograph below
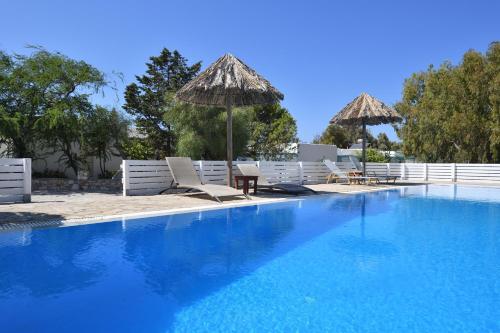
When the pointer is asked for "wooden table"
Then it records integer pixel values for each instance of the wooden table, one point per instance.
(354, 173)
(246, 183)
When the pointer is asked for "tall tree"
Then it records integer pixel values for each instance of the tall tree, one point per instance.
(383, 142)
(42, 96)
(272, 130)
(451, 113)
(343, 136)
(151, 97)
(493, 70)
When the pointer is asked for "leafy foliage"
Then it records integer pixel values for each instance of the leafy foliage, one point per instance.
(343, 136)
(59, 129)
(272, 129)
(43, 97)
(151, 98)
(45, 106)
(383, 142)
(451, 114)
(201, 131)
(104, 132)
(137, 149)
(373, 155)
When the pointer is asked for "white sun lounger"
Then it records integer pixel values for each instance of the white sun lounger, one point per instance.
(185, 176)
(337, 174)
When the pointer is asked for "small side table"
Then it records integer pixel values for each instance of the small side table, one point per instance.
(246, 183)
(353, 173)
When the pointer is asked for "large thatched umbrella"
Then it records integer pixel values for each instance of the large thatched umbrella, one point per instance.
(366, 110)
(229, 83)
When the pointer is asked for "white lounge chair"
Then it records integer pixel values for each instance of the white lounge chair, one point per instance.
(374, 176)
(263, 184)
(380, 178)
(337, 174)
(185, 176)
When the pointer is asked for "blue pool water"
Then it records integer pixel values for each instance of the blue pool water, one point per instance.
(418, 259)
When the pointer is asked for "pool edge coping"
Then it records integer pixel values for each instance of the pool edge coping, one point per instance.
(214, 206)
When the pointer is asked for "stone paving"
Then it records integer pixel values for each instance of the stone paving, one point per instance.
(74, 206)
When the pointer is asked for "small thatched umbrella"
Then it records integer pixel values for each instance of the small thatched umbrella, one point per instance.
(228, 83)
(366, 110)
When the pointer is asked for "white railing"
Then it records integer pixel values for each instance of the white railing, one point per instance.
(151, 177)
(15, 179)
(453, 172)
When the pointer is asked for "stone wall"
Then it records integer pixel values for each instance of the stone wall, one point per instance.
(88, 185)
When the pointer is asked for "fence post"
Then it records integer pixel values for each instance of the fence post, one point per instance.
(202, 174)
(301, 173)
(125, 177)
(426, 177)
(453, 172)
(403, 171)
(27, 179)
(388, 169)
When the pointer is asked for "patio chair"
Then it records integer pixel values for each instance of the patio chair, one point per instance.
(336, 174)
(264, 184)
(185, 176)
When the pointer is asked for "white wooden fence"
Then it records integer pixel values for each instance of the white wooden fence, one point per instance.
(15, 179)
(453, 172)
(151, 177)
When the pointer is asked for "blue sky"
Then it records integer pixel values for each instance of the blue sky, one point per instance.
(320, 54)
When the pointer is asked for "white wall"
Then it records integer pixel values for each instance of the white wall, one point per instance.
(50, 161)
(308, 152)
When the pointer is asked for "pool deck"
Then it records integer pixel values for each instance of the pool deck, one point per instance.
(73, 208)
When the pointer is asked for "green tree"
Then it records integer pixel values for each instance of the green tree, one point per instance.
(272, 129)
(451, 113)
(334, 135)
(104, 132)
(373, 155)
(42, 98)
(343, 136)
(383, 142)
(137, 149)
(493, 70)
(151, 97)
(201, 131)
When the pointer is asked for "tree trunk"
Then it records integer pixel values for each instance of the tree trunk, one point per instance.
(169, 141)
(364, 149)
(229, 143)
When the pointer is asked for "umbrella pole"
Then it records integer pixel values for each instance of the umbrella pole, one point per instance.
(364, 149)
(229, 144)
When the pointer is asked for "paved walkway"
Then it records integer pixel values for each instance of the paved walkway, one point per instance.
(77, 207)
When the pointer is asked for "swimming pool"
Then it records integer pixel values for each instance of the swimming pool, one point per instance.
(415, 259)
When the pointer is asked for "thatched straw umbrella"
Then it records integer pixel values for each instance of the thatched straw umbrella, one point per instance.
(229, 83)
(366, 110)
